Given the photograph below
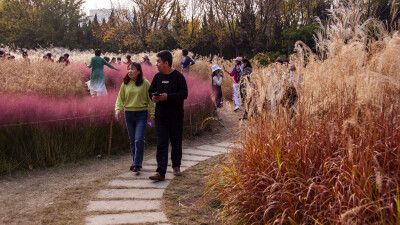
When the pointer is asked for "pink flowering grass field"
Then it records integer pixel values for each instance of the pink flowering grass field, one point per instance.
(43, 130)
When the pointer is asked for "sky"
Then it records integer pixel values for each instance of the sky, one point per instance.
(99, 4)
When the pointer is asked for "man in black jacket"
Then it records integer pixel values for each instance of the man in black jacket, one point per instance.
(168, 90)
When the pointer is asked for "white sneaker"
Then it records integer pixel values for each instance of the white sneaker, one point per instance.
(236, 108)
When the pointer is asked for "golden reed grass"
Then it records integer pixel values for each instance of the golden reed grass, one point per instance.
(40, 77)
(334, 157)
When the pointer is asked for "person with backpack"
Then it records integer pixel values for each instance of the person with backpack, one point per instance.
(236, 78)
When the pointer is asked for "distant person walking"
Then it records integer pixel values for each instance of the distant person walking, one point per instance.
(217, 78)
(134, 98)
(61, 59)
(237, 69)
(186, 61)
(245, 85)
(49, 59)
(96, 84)
(128, 60)
(168, 90)
(66, 59)
(146, 61)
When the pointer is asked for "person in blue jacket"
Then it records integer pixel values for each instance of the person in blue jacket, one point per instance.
(186, 61)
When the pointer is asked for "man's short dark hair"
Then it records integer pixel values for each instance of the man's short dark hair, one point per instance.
(165, 56)
(97, 52)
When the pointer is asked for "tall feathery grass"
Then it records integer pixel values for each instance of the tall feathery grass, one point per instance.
(334, 158)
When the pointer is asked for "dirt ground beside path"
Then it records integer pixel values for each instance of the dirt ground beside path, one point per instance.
(60, 195)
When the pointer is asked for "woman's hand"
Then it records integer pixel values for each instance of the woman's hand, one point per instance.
(117, 115)
(152, 121)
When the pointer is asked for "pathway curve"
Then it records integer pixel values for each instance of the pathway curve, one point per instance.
(131, 199)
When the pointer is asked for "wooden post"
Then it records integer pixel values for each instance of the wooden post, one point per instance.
(190, 119)
(109, 140)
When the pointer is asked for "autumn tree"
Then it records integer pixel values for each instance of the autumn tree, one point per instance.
(148, 22)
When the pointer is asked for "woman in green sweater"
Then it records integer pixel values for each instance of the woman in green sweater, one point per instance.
(96, 84)
(134, 97)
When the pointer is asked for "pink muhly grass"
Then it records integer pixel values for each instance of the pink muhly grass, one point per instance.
(30, 108)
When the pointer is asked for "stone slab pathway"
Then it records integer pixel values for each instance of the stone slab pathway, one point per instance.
(131, 199)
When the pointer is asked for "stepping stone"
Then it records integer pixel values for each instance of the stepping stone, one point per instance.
(213, 148)
(151, 168)
(124, 205)
(127, 218)
(200, 152)
(131, 193)
(139, 183)
(194, 158)
(144, 175)
(183, 163)
(224, 144)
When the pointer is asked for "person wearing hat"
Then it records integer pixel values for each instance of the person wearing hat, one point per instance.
(236, 79)
(146, 61)
(217, 78)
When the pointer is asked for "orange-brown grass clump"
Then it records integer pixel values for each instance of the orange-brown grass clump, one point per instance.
(40, 77)
(334, 157)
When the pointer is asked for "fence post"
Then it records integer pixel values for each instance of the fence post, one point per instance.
(109, 140)
(190, 119)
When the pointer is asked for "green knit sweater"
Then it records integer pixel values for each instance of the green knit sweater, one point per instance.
(135, 98)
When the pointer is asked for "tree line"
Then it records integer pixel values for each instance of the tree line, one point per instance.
(220, 27)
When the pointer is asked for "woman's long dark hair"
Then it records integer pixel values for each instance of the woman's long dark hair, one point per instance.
(248, 64)
(139, 79)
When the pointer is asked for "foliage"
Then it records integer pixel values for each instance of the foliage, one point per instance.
(30, 24)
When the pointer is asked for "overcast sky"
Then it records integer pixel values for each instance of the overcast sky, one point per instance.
(99, 4)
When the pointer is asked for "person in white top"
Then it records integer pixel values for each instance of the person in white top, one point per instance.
(217, 78)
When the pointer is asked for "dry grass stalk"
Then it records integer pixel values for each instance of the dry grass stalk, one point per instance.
(336, 158)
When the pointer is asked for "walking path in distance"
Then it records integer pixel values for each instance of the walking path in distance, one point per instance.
(131, 199)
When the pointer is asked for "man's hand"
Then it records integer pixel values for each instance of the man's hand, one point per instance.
(155, 99)
(163, 96)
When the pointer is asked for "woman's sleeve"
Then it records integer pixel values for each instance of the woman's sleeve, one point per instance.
(119, 104)
(191, 61)
(108, 64)
(91, 63)
(218, 81)
(152, 105)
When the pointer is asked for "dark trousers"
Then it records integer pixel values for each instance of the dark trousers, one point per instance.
(168, 129)
(218, 95)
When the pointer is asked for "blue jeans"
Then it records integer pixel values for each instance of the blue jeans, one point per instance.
(136, 124)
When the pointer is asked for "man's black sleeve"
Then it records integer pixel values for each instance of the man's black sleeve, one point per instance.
(153, 86)
(182, 92)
